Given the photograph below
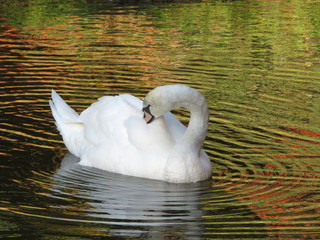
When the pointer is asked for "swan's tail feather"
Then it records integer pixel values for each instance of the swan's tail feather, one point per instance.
(62, 109)
(67, 123)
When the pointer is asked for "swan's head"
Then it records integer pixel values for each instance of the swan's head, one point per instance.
(155, 104)
(162, 100)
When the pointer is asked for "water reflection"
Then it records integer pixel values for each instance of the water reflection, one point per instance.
(257, 63)
(154, 208)
(115, 199)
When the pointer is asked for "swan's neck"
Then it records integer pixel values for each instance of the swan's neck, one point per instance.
(198, 124)
(186, 162)
(165, 98)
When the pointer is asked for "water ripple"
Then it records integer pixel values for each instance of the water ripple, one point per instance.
(262, 87)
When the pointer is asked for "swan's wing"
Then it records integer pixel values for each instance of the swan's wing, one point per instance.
(119, 136)
(120, 119)
(104, 120)
(120, 140)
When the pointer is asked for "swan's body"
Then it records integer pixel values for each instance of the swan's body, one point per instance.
(112, 135)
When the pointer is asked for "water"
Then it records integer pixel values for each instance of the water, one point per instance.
(257, 63)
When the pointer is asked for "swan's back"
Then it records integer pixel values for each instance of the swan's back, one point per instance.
(120, 141)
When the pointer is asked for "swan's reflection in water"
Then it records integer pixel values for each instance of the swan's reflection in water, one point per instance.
(130, 206)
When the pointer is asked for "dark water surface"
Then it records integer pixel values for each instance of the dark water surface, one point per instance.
(257, 63)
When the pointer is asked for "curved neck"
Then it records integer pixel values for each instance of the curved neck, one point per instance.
(198, 124)
(165, 98)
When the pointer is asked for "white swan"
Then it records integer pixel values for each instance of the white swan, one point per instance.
(112, 135)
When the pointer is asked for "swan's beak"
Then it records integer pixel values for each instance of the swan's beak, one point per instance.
(147, 116)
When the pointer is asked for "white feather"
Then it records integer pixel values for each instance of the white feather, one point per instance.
(112, 135)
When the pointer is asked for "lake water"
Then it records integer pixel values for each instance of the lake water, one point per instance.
(257, 63)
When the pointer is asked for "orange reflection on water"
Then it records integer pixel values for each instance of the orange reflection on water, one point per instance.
(285, 202)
